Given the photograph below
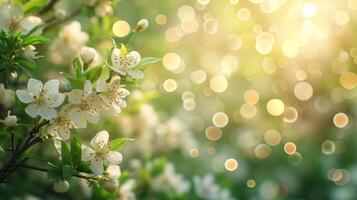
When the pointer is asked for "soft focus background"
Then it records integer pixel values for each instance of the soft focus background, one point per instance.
(253, 99)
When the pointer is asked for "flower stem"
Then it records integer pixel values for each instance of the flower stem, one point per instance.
(16, 157)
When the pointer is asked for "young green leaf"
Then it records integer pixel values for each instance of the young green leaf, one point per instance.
(68, 171)
(93, 73)
(76, 151)
(34, 5)
(34, 39)
(146, 62)
(78, 68)
(117, 144)
(65, 154)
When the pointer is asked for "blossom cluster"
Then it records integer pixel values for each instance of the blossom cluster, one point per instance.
(79, 106)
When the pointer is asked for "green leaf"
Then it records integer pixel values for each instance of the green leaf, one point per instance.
(146, 62)
(68, 171)
(26, 70)
(27, 63)
(93, 73)
(65, 153)
(117, 144)
(34, 39)
(75, 83)
(78, 68)
(76, 151)
(34, 5)
(54, 173)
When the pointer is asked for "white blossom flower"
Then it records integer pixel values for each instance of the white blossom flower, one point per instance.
(112, 93)
(7, 96)
(10, 120)
(88, 55)
(126, 190)
(100, 153)
(42, 99)
(169, 179)
(124, 63)
(30, 52)
(68, 43)
(11, 15)
(206, 188)
(60, 125)
(112, 173)
(104, 8)
(85, 105)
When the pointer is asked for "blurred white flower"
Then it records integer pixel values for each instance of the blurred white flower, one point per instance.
(112, 173)
(206, 188)
(112, 93)
(42, 99)
(11, 15)
(10, 120)
(68, 43)
(7, 96)
(126, 190)
(100, 153)
(85, 105)
(60, 125)
(170, 180)
(124, 63)
(88, 55)
(104, 8)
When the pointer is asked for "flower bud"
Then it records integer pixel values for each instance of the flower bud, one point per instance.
(110, 185)
(142, 25)
(29, 52)
(61, 186)
(88, 55)
(10, 120)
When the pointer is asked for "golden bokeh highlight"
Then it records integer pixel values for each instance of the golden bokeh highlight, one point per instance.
(272, 137)
(290, 148)
(264, 43)
(231, 164)
(220, 119)
(251, 97)
(348, 80)
(198, 76)
(340, 120)
(170, 85)
(171, 61)
(248, 111)
(275, 107)
(303, 91)
(290, 115)
(244, 14)
(194, 153)
(213, 133)
(161, 19)
(121, 28)
(262, 151)
(251, 183)
(218, 84)
(328, 147)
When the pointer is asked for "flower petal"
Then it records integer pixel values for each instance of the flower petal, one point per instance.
(136, 74)
(92, 117)
(23, 96)
(76, 115)
(100, 139)
(102, 86)
(63, 133)
(47, 113)
(114, 84)
(114, 157)
(116, 57)
(113, 172)
(55, 99)
(34, 87)
(118, 70)
(87, 89)
(133, 58)
(32, 110)
(75, 96)
(96, 165)
(87, 153)
(51, 86)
